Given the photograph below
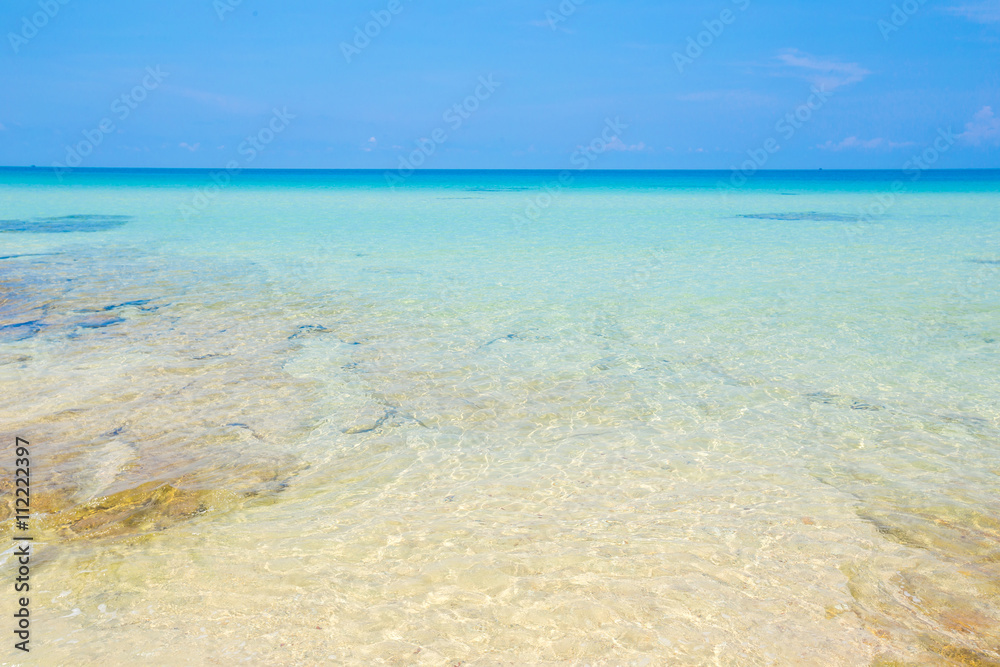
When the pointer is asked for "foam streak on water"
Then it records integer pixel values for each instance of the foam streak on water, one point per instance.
(664, 423)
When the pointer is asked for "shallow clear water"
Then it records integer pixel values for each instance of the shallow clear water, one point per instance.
(657, 421)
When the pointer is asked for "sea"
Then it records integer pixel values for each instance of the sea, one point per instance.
(504, 417)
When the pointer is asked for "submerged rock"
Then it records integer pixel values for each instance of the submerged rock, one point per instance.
(148, 507)
(392, 417)
(392, 271)
(138, 303)
(21, 331)
(65, 224)
(812, 216)
(100, 324)
(308, 329)
(826, 398)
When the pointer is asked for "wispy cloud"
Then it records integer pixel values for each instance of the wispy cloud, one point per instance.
(985, 11)
(984, 128)
(190, 147)
(853, 143)
(825, 73)
(617, 144)
(370, 145)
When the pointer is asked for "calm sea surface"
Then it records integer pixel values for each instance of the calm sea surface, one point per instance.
(644, 418)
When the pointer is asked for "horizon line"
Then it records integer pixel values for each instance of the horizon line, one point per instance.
(475, 169)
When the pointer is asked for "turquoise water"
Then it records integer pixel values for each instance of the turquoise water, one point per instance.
(646, 418)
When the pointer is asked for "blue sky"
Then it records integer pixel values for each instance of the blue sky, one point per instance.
(185, 83)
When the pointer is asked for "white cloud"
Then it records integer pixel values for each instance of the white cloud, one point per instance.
(617, 144)
(370, 145)
(985, 11)
(824, 73)
(853, 143)
(984, 128)
(188, 146)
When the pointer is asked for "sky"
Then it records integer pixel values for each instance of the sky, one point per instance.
(513, 84)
